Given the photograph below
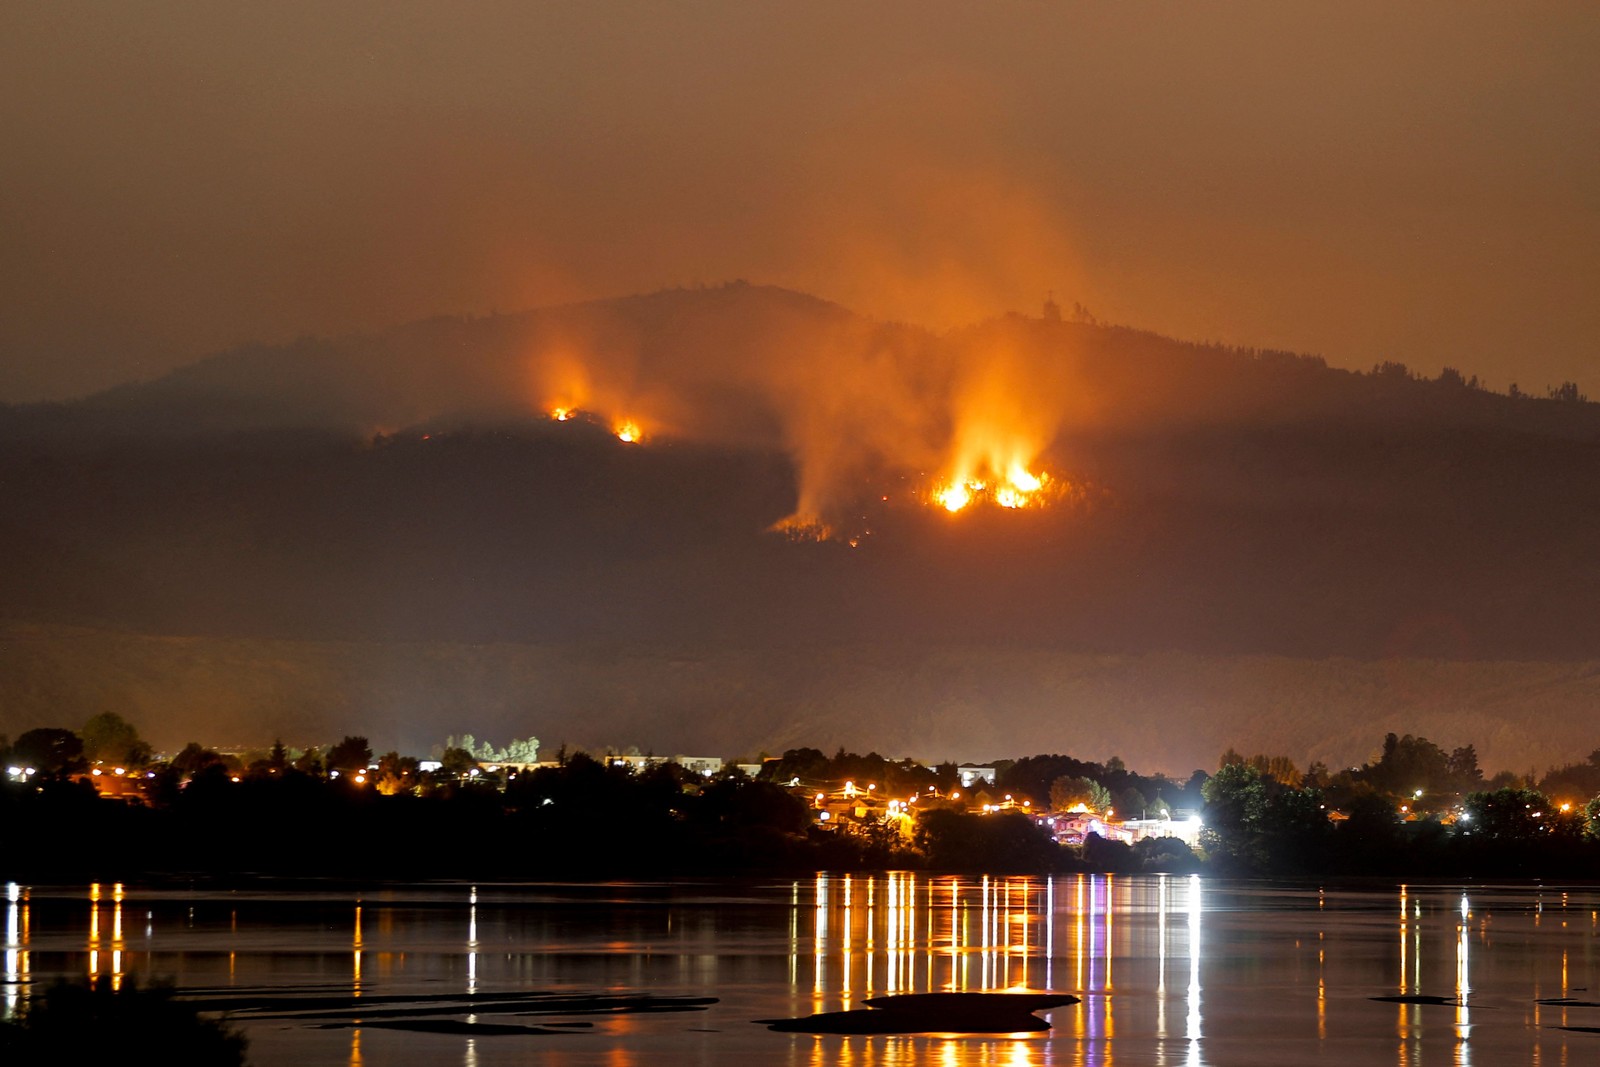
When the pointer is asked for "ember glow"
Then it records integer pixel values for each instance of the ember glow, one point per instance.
(1002, 423)
(796, 528)
(855, 411)
(956, 495)
(1019, 489)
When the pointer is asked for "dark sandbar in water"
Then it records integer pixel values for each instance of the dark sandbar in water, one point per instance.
(932, 1013)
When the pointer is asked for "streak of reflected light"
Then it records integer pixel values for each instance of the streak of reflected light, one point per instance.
(472, 948)
(355, 956)
(1192, 1021)
(116, 936)
(1161, 957)
(17, 967)
(1463, 1022)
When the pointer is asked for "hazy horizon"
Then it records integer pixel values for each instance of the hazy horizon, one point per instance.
(1362, 182)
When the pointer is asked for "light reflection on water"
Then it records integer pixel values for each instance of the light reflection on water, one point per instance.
(1171, 971)
(906, 933)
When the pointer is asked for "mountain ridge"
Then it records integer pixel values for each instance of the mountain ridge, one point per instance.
(1217, 507)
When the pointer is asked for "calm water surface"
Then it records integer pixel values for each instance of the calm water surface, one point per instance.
(1172, 971)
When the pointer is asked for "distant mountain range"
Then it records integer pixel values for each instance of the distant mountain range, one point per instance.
(409, 488)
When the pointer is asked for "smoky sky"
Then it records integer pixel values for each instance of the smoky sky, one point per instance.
(1362, 180)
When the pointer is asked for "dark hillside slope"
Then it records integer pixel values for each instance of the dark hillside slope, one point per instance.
(405, 489)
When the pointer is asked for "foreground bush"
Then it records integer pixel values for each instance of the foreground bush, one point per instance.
(74, 1020)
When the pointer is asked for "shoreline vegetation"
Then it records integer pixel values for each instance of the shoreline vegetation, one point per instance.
(102, 1013)
(97, 804)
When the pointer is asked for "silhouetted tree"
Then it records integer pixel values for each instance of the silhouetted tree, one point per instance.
(1129, 803)
(49, 750)
(1508, 814)
(457, 762)
(1575, 781)
(1068, 792)
(396, 773)
(1003, 842)
(1462, 766)
(1236, 807)
(194, 758)
(351, 755)
(109, 738)
(1409, 764)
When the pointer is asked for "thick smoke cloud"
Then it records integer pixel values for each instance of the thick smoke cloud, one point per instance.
(858, 407)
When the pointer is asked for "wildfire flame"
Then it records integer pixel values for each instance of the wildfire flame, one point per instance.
(955, 496)
(1019, 488)
(1009, 497)
(997, 434)
(979, 427)
(628, 431)
(1025, 481)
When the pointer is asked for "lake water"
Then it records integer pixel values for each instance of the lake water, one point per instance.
(1172, 971)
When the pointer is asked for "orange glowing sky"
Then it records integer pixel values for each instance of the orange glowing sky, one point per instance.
(1364, 180)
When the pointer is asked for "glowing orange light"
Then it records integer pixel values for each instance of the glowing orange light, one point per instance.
(1015, 489)
(628, 432)
(803, 528)
(954, 496)
(1024, 480)
(561, 414)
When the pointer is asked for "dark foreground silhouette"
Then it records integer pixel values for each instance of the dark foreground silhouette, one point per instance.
(923, 1013)
(78, 1015)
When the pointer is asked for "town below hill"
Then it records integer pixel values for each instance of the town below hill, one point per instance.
(98, 803)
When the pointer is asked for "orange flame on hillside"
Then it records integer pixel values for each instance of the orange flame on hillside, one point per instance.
(997, 437)
(570, 388)
(1019, 488)
(857, 409)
